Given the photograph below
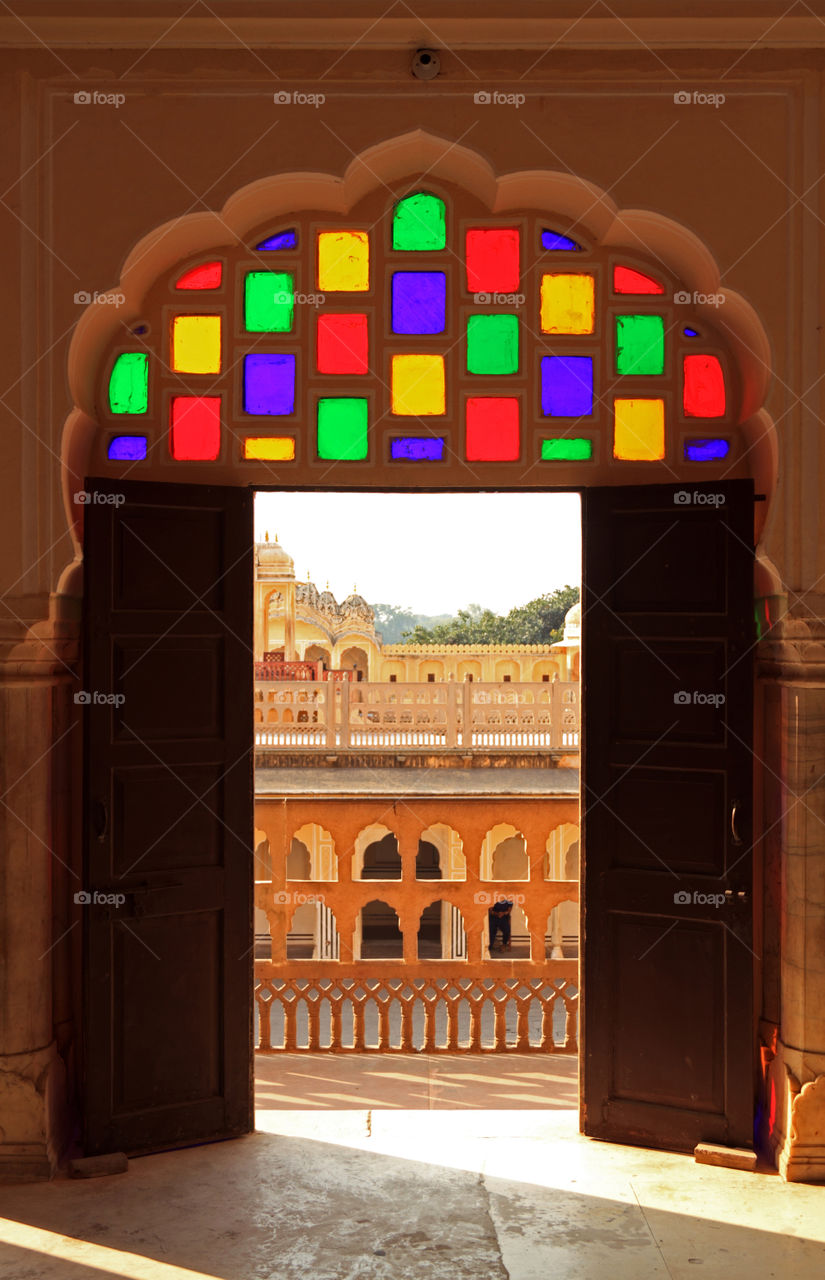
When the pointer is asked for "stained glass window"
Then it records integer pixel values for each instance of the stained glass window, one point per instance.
(343, 344)
(492, 344)
(419, 223)
(711, 450)
(555, 241)
(419, 302)
(342, 428)
(568, 303)
(269, 448)
(639, 430)
(269, 383)
(566, 386)
(206, 276)
(418, 387)
(196, 344)
(127, 448)
(196, 428)
(567, 449)
(417, 448)
(269, 301)
(704, 392)
(492, 429)
(640, 344)
(492, 260)
(434, 325)
(343, 261)
(129, 383)
(281, 240)
(627, 280)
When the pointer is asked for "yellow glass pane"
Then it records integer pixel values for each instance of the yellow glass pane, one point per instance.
(639, 430)
(343, 261)
(196, 344)
(568, 303)
(269, 448)
(418, 385)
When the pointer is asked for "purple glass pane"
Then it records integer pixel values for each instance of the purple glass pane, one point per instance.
(127, 449)
(269, 384)
(566, 386)
(417, 448)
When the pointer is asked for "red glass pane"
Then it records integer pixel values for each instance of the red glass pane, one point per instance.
(343, 344)
(626, 280)
(704, 394)
(492, 260)
(206, 276)
(195, 434)
(492, 429)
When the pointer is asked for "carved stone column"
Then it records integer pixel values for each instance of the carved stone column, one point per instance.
(39, 875)
(792, 660)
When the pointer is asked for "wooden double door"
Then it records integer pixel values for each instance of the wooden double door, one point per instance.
(667, 964)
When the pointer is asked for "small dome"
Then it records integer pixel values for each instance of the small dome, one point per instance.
(573, 624)
(358, 605)
(272, 561)
(327, 602)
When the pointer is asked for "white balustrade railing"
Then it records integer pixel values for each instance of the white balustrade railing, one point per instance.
(465, 716)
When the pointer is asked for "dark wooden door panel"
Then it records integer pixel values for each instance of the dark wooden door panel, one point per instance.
(668, 694)
(168, 836)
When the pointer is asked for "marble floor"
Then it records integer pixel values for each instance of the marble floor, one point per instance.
(394, 1173)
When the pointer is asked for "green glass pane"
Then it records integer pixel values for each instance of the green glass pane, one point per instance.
(492, 344)
(640, 344)
(269, 302)
(342, 428)
(419, 223)
(566, 450)
(129, 383)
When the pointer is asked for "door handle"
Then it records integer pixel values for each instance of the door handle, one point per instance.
(738, 895)
(734, 823)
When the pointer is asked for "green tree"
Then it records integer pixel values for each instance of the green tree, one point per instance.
(540, 621)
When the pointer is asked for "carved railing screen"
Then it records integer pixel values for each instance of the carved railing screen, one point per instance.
(450, 716)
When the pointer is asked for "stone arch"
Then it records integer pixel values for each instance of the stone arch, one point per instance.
(643, 237)
(355, 658)
(380, 839)
(545, 670)
(562, 852)
(441, 932)
(379, 931)
(470, 670)
(451, 860)
(323, 863)
(504, 854)
(317, 653)
(507, 669)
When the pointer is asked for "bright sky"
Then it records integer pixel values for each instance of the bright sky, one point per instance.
(429, 552)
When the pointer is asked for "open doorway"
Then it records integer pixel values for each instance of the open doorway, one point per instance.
(417, 719)
(168, 960)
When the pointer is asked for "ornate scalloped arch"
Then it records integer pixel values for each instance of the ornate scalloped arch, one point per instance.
(368, 190)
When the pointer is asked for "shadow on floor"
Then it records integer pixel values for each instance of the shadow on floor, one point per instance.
(408, 1196)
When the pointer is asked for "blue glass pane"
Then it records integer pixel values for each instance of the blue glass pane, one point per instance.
(706, 450)
(269, 384)
(690, 333)
(419, 302)
(417, 448)
(283, 240)
(553, 240)
(566, 386)
(127, 449)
